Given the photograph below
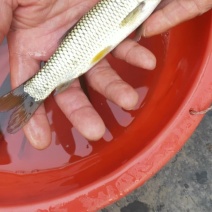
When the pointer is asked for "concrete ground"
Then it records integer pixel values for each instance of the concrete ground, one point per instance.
(185, 184)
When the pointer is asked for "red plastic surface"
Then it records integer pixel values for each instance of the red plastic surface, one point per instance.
(76, 175)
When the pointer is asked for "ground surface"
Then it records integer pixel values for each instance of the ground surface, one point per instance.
(185, 184)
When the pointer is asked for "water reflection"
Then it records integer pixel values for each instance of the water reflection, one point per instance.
(123, 118)
(4, 155)
(68, 146)
(108, 136)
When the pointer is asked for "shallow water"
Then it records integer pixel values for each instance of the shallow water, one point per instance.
(72, 166)
(68, 146)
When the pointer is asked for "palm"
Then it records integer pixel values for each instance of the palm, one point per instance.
(36, 28)
(35, 31)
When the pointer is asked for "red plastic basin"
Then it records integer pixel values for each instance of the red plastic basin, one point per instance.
(76, 175)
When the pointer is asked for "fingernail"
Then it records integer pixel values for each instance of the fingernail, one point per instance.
(143, 31)
(151, 64)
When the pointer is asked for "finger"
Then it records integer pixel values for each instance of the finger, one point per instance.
(37, 130)
(77, 108)
(135, 54)
(107, 82)
(174, 13)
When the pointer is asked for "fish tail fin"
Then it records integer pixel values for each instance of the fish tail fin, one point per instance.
(23, 106)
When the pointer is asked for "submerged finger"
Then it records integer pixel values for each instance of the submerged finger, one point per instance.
(37, 129)
(107, 82)
(79, 111)
(135, 54)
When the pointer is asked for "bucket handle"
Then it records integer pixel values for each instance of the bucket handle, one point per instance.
(201, 112)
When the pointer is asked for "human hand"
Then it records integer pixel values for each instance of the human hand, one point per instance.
(173, 12)
(33, 29)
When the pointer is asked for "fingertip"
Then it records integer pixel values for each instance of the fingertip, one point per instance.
(122, 94)
(127, 98)
(96, 132)
(38, 132)
(143, 58)
(154, 25)
(146, 31)
(88, 122)
(149, 61)
(135, 54)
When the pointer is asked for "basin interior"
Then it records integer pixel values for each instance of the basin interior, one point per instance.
(71, 162)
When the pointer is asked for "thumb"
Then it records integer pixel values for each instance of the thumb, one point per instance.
(22, 67)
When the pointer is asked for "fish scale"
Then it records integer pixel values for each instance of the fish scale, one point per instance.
(75, 53)
(96, 34)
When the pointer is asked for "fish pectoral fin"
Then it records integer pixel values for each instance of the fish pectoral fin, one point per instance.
(23, 106)
(63, 87)
(132, 16)
(138, 34)
(100, 55)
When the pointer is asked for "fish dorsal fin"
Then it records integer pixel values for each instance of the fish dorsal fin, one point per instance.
(131, 17)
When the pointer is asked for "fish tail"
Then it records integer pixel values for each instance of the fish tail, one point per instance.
(22, 105)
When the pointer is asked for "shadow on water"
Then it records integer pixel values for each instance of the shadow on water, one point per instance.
(4, 154)
(68, 146)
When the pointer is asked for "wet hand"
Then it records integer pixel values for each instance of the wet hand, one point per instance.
(33, 29)
(173, 12)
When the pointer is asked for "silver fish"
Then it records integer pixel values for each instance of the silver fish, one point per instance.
(96, 34)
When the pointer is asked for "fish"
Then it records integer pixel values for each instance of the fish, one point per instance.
(94, 36)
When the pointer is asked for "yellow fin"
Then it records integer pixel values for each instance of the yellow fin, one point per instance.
(131, 17)
(101, 54)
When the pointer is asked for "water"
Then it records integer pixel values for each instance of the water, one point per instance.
(68, 146)
(72, 165)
